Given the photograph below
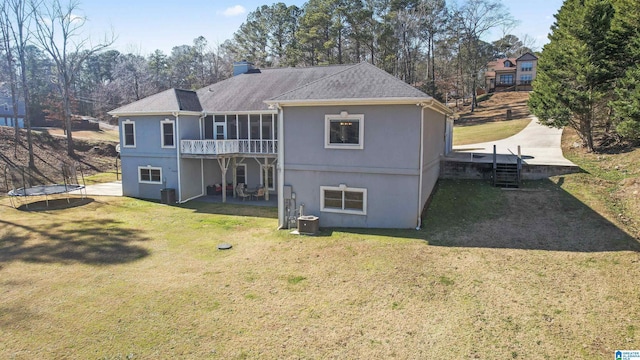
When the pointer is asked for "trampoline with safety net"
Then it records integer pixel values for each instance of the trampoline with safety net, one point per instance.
(25, 185)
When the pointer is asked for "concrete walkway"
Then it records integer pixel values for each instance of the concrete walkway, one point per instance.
(539, 145)
(104, 189)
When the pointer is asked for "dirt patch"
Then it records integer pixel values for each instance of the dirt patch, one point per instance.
(495, 109)
(50, 151)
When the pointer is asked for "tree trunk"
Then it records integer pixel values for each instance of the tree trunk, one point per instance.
(433, 66)
(339, 47)
(474, 101)
(27, 116)
(67, 117)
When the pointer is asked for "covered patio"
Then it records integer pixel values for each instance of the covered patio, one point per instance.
(272, 202)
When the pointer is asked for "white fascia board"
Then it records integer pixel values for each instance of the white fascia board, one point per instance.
(426, 102)
(154, 113)
(361, 101)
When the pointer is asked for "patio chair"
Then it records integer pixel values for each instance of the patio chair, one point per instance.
(258, 194)
(240, 191)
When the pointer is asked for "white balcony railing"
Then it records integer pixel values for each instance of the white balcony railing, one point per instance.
(223, 147)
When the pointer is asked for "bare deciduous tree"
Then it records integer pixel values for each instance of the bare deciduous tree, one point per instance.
(22, 15)
(7, 46)
(58, 31)
(476, 18)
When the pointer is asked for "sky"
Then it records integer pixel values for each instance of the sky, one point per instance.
(142, 26)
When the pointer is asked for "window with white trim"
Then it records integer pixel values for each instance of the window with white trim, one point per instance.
(129, 133)
(167, 131)
(343, 199)
(344, 131)
(149, 175)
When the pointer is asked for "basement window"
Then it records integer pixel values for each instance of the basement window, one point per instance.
(343, 199)
(149, 175)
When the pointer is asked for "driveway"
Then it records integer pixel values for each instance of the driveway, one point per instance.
(539, 145)
(105, 189)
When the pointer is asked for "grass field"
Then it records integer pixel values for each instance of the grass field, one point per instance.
(532, 274)
(490, 131)
(102, 135)
(609, 183)
(103, 177)
(489, 122)
(549, 271)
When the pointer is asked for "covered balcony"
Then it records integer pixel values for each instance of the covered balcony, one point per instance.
(199, 148)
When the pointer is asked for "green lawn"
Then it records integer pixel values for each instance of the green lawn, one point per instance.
(490, 131)
(103, 177)
(121, 278)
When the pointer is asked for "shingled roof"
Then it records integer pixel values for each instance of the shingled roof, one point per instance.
(358, 82)
(256, 90)
(165, 102)
(247, 92)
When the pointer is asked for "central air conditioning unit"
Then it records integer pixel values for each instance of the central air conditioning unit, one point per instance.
(308, 225)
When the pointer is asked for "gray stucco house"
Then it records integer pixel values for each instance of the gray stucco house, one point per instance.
(357, 146)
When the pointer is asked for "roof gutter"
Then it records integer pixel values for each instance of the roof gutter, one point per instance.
(437, 106)
(358, 101)
(117, 114)
(424, 102)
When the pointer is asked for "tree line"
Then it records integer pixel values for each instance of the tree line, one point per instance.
(51, 65)
(433, 44)
(589, 73)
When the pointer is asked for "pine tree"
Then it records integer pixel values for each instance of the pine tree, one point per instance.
(626, 36)
(575, 73)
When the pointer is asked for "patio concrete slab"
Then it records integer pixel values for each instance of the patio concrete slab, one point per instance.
(539, 145)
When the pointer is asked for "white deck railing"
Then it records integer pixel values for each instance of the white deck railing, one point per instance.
(222, 147)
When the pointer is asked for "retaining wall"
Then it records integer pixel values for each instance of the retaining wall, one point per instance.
(484, 171)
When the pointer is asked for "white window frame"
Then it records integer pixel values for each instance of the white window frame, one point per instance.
(173, 129)
(124, 133)
(149, 168)
(273, 177)
(343, 188)
(343, 116)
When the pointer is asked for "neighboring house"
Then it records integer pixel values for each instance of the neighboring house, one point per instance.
(352, 144)
(6, 112)
(511, 74)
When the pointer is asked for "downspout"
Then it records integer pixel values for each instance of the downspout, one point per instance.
(178, 145)
(203, 190)
(420, 167)
(280, 167)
